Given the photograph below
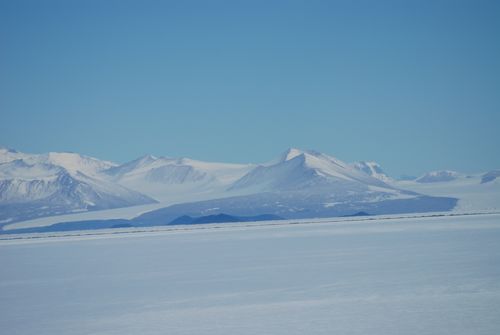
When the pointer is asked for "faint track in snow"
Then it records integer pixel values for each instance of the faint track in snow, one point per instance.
(228, 226)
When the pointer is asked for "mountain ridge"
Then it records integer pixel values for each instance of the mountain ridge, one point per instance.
(297, 183)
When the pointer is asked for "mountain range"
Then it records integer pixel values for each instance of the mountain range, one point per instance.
(297, 184)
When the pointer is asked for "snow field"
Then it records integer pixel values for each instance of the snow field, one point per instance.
(403, 276)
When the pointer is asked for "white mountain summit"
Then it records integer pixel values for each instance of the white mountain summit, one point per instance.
(305, 169)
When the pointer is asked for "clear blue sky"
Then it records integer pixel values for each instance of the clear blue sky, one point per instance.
(414, 85)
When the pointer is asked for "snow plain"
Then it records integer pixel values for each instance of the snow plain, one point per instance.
(429, 275)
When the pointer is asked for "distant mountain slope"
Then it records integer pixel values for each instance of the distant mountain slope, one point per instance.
(307, 170)
(372, 169)
(438, 176)
(56, 183)
(177, 179)
(490, 176)
(8, 155)
(302, 184)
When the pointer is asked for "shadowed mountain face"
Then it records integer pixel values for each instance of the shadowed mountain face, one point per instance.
(295, 206)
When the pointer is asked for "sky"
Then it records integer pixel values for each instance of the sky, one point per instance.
(413, 85)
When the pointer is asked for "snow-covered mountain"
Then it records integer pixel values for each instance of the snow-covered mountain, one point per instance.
(438, 176)
(298, 170)
(56, 183)
(73, 162)
(302, 184)
(372, 169)
(297, 184)
(177, 179)
(70, 161)
(8, 155)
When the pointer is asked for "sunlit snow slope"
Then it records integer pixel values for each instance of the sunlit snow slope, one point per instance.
(177, 179)
(56, 183)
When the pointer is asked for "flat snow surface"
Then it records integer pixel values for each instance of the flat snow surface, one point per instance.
(434, 275)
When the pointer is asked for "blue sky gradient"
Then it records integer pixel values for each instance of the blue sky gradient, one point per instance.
(414, 85)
